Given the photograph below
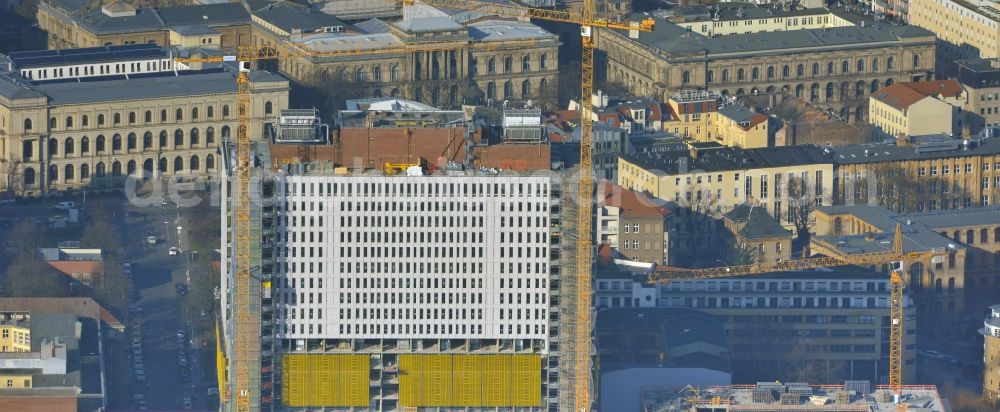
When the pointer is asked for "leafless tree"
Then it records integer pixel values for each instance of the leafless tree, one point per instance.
(801, 207)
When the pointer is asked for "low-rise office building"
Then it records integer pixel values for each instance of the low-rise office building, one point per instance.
(65, 129)
(710, 178)
(936, 279)
(920, 173)
(829, 321)
(981, 80)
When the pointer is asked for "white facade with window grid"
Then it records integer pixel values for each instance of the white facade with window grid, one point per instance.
(413, 257)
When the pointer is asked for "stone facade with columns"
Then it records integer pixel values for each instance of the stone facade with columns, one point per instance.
(66, 136)
(833, 68)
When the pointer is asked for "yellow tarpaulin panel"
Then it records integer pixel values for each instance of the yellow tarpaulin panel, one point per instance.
(325, 380)
(470, 380)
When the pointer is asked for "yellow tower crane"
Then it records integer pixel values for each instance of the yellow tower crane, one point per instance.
(245, 351)
(587, 21)
(897, 255)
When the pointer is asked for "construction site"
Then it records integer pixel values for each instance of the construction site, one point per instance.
(851, 396)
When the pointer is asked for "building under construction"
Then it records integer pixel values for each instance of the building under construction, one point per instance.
(395, 288)
(859, 396)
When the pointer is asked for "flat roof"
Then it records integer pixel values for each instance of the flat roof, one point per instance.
(890, 152)
(158, 19)
(119, 88)
(291, 17)
(917, 235)
(729, 158)
(499, 30)
(35, 58)
(743, 11)
(672, 38)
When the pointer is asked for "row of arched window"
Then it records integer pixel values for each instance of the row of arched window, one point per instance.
(508, 89)
(130, 143)
(69, 173)
(770, 72)
(508, 64)
(131, 118)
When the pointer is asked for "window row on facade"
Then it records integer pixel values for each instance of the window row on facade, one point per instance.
(81, 172)
(118, 144)
(133, 118)
(407, 187)
(771, 72)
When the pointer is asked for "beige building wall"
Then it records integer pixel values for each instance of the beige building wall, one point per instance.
(695, 126)
(14, 338)
(161, 134)
(65, 33)
(822, 79)
(532, 73)
(926, 116)
(821, 19)
(720, 191)
(958, 23)
(729, 133)
(15, 380)
(938, 275)
(970, 180)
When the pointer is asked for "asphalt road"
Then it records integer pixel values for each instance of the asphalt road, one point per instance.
(154, 274)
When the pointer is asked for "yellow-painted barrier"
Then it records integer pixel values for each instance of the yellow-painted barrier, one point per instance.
(221, 367)
(470, 380)
(316, 380)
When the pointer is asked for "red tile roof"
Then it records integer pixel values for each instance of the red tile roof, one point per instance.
(903, 95)
(632, 203)
(939, 88)
(898, 95)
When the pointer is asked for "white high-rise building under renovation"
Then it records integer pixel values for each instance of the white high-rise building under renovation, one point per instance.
(434, 257)
(385, 292)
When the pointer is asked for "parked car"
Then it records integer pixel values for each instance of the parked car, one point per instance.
(181, 289)
(187, 403)
(174, 251)
(950, 359)
(213, 391)
(65, 205)
(58, 219)
(151, 238)
(933, 354)
(140, 375)
(127, 266)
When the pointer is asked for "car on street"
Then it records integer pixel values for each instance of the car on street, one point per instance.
(950, 359)
(58, 219)
(65, 205)
(933, 354)
(174, 251)
(127, 267)
(186, 403)
(180, 288)
(140, 375)
(151, 238)
(213, 391)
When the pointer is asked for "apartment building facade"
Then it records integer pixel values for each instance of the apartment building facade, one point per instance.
(966, 29)
(981, 80)
(712, 179)
(837, 319)
(63, 135)
(899, 111)
(926, 174)
(455, 276)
